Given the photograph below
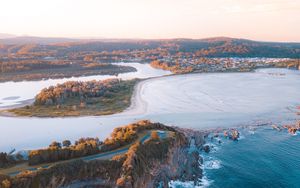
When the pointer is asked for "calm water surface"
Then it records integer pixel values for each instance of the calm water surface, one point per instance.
(262, 158)
(195, 101)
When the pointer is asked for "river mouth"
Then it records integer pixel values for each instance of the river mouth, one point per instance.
(197, 101)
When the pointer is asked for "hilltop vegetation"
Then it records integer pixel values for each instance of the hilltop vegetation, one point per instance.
(145, 164)
(75, 98)
(120, 137)
(231, 47)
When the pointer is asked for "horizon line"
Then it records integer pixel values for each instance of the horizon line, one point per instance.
(14, 36)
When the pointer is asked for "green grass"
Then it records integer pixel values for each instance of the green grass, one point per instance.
(105, 105)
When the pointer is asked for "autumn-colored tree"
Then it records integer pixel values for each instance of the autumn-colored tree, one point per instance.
(55, 145)
(154, 135)
(5, 184)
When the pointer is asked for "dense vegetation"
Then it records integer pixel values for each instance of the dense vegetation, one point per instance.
(175, 68)
(124, 135)
(75, 98)
(6, 160)
(65, 173)
(133, 169)
(56, 152)
(120, 136)
(230, 47)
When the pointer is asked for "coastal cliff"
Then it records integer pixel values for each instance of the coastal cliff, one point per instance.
(149, 163)
(155, 163)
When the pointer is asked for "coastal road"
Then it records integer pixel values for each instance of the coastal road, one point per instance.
(13, 171)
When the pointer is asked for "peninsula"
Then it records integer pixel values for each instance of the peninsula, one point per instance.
(141, 154)
(74, 98)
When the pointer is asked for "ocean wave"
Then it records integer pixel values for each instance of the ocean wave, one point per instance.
(295, 134)
(212, 164)
(205, 182)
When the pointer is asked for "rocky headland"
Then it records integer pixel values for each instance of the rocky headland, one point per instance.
(163, 156)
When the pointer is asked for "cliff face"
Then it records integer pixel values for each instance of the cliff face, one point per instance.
(155, 163)
(183, 160)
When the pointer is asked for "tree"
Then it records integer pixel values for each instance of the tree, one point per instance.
(66, 143)
(55, 144)
(154, 135)
(6, 183)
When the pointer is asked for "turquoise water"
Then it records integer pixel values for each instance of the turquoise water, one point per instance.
(261, 158)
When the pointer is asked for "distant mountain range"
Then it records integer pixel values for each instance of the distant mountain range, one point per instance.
(12, 39)
(210, 47)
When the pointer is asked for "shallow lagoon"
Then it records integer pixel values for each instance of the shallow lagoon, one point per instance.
(194, 101)
(21, 91)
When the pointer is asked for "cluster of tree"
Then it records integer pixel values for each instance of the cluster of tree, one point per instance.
(120, 136)
(127, 134)
(82, 90)
(173, 67)
(6, 160)
(31, 65)
(5, 181)
(231, 47)
(67, 175)
(65, 150)
(9, 159)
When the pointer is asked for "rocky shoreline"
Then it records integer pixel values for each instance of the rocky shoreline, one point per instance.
(154, 163)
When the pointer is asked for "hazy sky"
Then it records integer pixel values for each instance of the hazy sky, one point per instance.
(269, 20)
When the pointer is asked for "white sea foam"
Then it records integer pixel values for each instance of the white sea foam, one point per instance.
(295, 134)
(212, 164)
(241, 137)
(205, 182)
(213, 147)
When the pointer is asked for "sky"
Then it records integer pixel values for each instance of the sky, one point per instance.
(266, 20)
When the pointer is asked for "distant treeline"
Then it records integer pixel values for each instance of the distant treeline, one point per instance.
(214, 47)
(30, 65)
